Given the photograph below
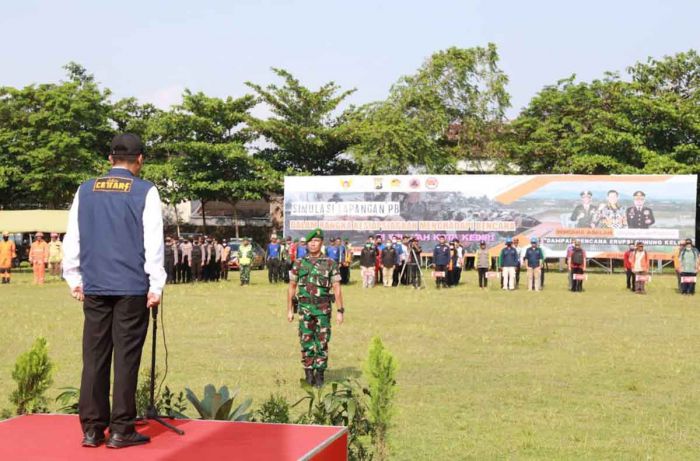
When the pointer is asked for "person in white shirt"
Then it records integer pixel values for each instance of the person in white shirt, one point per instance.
(113, 263)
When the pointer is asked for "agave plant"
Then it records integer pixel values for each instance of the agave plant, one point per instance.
(219, 404)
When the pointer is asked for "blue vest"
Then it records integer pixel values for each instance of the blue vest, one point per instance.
(509, 257)
(301, 251)
(110, 220)
(533, 256)
(441, 255)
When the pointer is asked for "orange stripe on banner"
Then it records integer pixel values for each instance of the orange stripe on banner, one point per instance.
(538, 182)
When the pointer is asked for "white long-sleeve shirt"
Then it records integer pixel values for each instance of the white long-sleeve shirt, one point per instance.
(152, 242)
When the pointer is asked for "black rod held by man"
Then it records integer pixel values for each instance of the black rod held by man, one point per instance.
(113, 263)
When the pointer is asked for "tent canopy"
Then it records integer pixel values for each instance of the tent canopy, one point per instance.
(34, 221)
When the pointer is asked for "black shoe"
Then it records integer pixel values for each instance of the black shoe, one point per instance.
(93, 439)
(309, 376)
(117, 440)
(319, 379)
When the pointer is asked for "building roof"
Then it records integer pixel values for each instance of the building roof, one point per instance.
(34, 221)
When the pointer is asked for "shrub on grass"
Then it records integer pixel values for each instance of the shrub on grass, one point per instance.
(380, 372)
(344, 405)
(33, 375)
(274, 410)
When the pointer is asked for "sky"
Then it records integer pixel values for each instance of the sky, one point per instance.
(153, 50)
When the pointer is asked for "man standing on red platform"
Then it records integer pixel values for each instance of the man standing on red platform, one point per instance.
(114, 264)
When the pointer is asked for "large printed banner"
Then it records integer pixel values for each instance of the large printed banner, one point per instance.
(606, 213)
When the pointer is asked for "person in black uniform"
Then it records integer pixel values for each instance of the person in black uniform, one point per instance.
(114, 264)
(638, 215)
(170, 255)
(441, 259)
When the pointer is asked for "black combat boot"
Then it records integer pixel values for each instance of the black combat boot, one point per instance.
(319, 378)
(309, 376)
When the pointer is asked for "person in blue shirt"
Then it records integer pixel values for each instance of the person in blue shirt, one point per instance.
(301, 248)
(508, 261)
(534, 257)
(441, 259)
(272, 259)
(332, 251)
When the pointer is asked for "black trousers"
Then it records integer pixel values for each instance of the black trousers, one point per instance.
(113, 325)
(397, 274)
(441, 281)
(197, 270)
(576, 285)
(344, 275)
(483, 281)
(688, 288)
(630, 279)
(273, 270)
(170, 271)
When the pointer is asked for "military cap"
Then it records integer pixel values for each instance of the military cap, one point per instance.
(509, 239)
(639, 193)
(483, 242)
(316, 233)
(533, 240)
(302, 239)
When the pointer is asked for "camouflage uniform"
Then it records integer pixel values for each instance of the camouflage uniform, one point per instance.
(315, 278)
(245, 258)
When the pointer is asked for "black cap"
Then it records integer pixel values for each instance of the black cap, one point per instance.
(126, 144)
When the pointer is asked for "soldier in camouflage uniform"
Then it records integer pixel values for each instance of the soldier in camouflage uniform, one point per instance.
(311, 279)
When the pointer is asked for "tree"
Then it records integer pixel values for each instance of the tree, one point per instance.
(52, 137)
(199, 150)
(305, 134)
(650, 124)
(450, 109)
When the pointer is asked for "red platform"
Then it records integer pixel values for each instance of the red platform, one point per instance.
(53, 437)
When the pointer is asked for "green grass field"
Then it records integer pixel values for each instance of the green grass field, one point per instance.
(603, 374)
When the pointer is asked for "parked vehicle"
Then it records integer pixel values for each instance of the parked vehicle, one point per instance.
(258, 254)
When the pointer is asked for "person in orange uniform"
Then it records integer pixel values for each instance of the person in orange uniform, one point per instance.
(39, 257)
(8, 252)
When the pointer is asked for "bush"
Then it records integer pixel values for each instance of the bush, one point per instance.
(68, 399)
(172, 405)
(274, 410)
(381, 375)
(342, 406)
(33, 375)
(143, 392)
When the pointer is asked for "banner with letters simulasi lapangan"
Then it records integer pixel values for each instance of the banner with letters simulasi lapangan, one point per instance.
(606, 213)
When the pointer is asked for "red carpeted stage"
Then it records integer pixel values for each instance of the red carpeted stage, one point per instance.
(50, 437)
